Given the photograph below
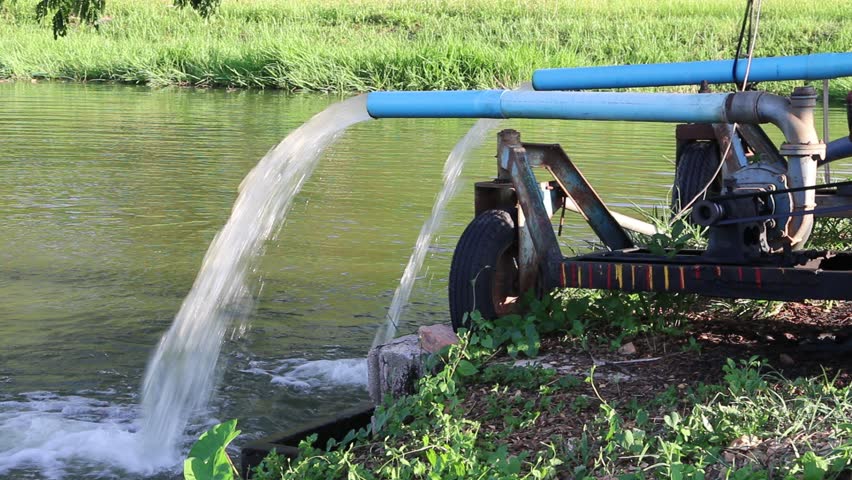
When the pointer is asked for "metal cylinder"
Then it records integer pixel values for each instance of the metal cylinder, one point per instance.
(803, 67)
(707, 213)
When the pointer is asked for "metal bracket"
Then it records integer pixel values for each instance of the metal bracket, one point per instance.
(575, 185)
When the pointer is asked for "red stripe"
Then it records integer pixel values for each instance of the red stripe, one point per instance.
(609, 276)
(590, 276)
(740, 273)
(757, 278)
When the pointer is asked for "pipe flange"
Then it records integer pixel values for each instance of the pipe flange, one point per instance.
(803, 97)
(803, 150)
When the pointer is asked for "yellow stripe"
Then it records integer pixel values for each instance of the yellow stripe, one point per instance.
(619, 275)
(666, 277)
(650, 277)
(579, 275)
(632, 276)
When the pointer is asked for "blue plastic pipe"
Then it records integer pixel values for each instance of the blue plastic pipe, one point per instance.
(804, 67)
(840, 148)
(638, 107)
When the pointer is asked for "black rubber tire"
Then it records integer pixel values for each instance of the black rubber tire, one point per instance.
(696, 167)
(484, 270)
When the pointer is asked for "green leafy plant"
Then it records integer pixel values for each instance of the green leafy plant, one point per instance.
(64, 13)
(208, 459)
(673, 237)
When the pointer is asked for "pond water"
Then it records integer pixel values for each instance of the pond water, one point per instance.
(110, 196)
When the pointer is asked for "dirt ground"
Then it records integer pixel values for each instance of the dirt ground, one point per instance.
(799, 340)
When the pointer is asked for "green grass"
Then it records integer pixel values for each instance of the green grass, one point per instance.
(756, 424)
(363, 45)
(481, 415)
(753, 424)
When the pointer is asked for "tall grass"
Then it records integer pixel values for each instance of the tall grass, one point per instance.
(362, 45)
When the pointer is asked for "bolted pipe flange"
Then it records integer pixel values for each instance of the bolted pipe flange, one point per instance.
(816, 150)
(803, 97)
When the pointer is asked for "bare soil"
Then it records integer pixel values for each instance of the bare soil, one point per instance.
(801, 340)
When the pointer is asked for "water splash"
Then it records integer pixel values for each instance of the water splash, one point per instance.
(452, 173)
(75, 437)
(307, 376)
(181, 374)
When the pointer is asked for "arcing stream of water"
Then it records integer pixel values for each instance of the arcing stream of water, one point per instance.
(181, 374)
(452, 174)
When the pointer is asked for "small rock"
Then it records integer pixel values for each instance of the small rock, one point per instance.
(745, 442)
(627, 349)
(786, 359)
(540, 362)
(435, 337)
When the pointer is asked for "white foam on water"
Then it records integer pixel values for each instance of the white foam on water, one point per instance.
(60, 435)
(181, 374)
(452, 173)
(307, 376)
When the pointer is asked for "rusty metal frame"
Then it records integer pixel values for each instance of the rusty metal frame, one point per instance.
(823, 278)
(624, 267)
(538, 248)
(575, 185)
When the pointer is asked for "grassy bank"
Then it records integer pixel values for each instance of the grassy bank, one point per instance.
(362, 45)
(705, 409)
(554, 400)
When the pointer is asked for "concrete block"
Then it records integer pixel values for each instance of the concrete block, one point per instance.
(394, 368)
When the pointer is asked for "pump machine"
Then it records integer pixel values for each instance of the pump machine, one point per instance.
(757, 199)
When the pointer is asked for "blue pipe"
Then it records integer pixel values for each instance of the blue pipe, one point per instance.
(837, 149)
(803, 67)
(638, 107)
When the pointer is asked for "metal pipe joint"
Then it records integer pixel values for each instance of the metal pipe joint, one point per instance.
(795, 117)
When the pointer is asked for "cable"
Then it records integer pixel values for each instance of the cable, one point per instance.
(752, 42)
(752, 15)
(746, 17)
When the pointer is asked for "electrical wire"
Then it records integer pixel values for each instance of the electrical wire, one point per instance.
(752, 17)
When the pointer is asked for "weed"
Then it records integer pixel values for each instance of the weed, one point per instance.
(831, 234)
(207, 459)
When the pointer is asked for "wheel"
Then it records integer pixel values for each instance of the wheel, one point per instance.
(696, 167)
(484, 271)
